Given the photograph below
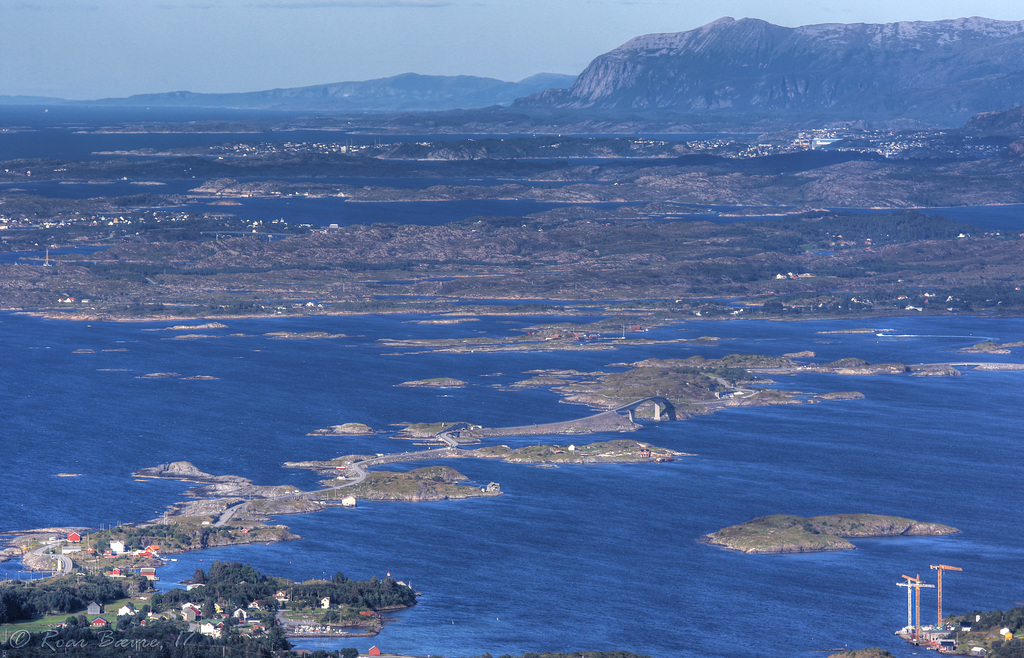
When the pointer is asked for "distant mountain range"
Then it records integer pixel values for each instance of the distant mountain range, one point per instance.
(937, 72)
(408, 92)
(940, 71)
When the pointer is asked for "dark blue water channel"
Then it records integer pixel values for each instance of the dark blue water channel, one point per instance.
(577, 557)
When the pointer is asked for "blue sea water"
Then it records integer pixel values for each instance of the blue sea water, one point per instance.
(599, 557)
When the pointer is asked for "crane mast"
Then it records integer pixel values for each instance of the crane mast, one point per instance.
(917, 584)
(940, 568)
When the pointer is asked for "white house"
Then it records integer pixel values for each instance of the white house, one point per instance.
(208, 628)
(190, 612)
(325, 602)
(117, 547)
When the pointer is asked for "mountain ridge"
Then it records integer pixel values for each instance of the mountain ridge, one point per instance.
(404, 92)
(929, 70)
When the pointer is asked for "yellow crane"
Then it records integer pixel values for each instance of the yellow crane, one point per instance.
(941, 568)
(917, 584)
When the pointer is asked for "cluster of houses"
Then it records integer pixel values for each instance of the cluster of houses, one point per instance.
(945, 639)
(95, 608)
(214, 627)
(190, 612)
(116, 549)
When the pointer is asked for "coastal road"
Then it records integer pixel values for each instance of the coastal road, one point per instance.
(64, 563)
(360, 468)
(228, 513)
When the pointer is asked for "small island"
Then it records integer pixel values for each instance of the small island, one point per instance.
(345, 429)
(435, 382)
(991, 347)
(786, 533)
(418, 485)
(301, 335)
(873, 652)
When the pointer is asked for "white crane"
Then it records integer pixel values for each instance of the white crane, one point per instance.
(917, 585)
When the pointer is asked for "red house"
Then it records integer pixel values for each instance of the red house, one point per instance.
(99, 622)
(74, 537)
(374, 651)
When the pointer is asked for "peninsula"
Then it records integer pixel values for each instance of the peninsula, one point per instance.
(785, 533)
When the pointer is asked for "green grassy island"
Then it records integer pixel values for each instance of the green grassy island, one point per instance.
(786, 533)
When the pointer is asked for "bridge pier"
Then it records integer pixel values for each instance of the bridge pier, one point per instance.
(629, 412)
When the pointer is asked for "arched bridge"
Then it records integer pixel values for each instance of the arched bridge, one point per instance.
(661, 407)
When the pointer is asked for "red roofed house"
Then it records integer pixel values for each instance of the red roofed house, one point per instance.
(99, 622)
(374, 651)
(74, 537)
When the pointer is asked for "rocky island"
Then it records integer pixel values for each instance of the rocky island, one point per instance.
(418, 485)
(786, 533)
(345, 429)
(618, 451)
(434, 382)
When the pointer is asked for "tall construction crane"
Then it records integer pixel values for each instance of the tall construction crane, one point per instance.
(941, 568)
(917, 584)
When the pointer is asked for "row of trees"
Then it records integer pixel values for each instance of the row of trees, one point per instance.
(160, 638)
(237, 585)
(21, 600)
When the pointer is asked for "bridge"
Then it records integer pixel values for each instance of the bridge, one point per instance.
(661, 406)
(606, 421)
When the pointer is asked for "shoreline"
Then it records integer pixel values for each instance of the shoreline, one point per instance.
(602, 306)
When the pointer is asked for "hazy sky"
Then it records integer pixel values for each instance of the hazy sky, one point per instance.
(86, 49)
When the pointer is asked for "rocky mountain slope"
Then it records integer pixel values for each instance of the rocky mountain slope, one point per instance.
(940, 71)
(1001, 123)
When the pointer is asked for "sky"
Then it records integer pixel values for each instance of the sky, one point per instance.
(87, 49)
